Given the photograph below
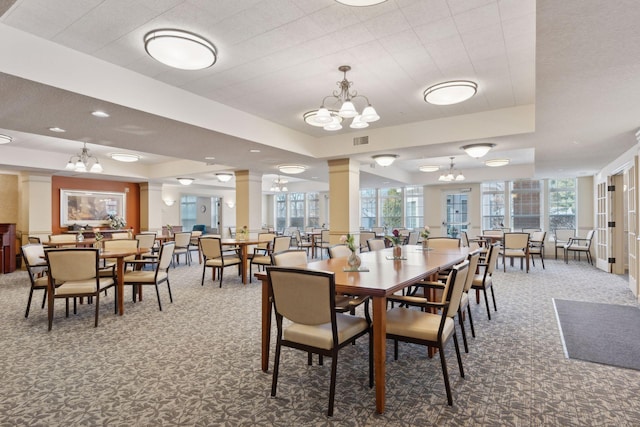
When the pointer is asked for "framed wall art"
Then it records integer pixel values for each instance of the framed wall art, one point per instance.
(90, 207)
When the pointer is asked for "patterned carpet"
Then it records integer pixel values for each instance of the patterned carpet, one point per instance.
(197, 363)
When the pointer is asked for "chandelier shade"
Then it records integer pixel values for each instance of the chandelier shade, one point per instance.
(180, 49)
(495, 163)
(330, 118)
(451, 175)
(477, 150)
(185, 181)
(279, 185)
(385, 159)
(224, 176)
(449, 93)
(84, 162)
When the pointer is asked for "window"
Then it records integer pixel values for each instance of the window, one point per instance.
(281, 211)
(562, 203)
(526, 204)
(296, 210)
(313, 210)
(492, 205)
(368, 208)
(391, 207)
(188, 212)
(413, 207)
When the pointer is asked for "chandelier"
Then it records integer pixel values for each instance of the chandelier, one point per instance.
(279, 185)
(80, 162)
(331, 119)
(451, 176)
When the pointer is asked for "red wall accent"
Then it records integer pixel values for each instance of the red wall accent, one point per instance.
(62, 182)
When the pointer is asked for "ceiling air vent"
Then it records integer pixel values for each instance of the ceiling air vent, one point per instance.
(361, 140)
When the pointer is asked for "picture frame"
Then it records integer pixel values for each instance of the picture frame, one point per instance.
(90, 208)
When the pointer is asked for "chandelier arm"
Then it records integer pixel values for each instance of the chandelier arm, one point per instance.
(328, 96)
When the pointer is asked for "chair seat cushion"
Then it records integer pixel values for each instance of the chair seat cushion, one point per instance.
(321, 336)
(514, 253)
(417, 324)
(82, 286)
(409, 299)
(141, 276)
(41, 282)
(228, 260)
(478, 284)
(261, 259)
(464, 301)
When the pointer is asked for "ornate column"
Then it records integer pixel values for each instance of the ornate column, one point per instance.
(344, 198)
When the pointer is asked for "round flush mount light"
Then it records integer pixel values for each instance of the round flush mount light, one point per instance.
(360, 3)
(497, 162)
(321, 117)
(477, 150)
(428, 168)
(292, 169)
(449, 93)
(5, 139)
(180, 49)
(185, 181)
(224, 176)
(99, 113)
(57, 129)
(124, 157)
(385, 159)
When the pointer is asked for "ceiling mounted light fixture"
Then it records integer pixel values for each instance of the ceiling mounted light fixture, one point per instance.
(185, 181)
(451, 175)
(279, 185)
(449, 93)
(80, 162)
(385, 159)
(330, 119)
(360, 3)
(125, 157)
(495, 163)
(428, 168)
(292, 169)
(477, 150)
(99, 113)
(224, 176)
(5, 139)
(180, 49)
(169, 202)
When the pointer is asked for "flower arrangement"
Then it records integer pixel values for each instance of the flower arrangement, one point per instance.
(395, 238)
(243, 233)
(425, 233)
(98, 236)
(169, 228)
(349, 241)
(116, 222)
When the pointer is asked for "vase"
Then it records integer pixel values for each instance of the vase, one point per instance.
(80, 237)
(397, 251)
(354, 261)
(425, 244)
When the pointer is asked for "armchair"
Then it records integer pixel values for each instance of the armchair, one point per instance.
(578, 245)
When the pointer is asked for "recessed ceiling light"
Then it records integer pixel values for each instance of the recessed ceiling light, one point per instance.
(57, 129)
(428, 168)
(180, 49)
(124, 157)
(496, 162)
(254, 150)
(100, 114)
(5, 139)
(292, 169)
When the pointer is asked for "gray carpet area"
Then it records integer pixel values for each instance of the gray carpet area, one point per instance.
(602, 333)
(197, 363)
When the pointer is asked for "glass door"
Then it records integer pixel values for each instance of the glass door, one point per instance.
(456, 214)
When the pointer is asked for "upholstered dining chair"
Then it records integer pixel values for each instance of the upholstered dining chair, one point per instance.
(120, 235)
(364, 238)
(339, 251)
(484, 279)
(300, 242)
(118, 245)
(536, 246)
(156, 277)
(213, 257)
(279, 244)
(306, 299)
(263, 248)
(413, 238)
(34, 239)
(474, 259)
(63, 238)
(77, 269)
(561, 237)
(183, 240)
(432, 329)
(375, 244)
(444, 243)
(193, 243)
(323, 244)
(515, 245)
(579, 246)
(36, 265)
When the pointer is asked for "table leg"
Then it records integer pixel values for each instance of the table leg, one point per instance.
(266, 324)
(379, 349)
(120, 284)
(243, 264)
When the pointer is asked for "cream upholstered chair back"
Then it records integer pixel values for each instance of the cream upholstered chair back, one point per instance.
(34, 255)
(265, 240)
(120, 245)
(492, 258)
(537, 236)
(444, 243)
(281, 243)
(302, 296)
(211, 247)
(71, 238)
(182, 239)
(325, 236)
(364, 237)
(562, 235)
(292, 258)
(515, 241)
(492, 232)
(474, 259)
(413, 238)
(375, 244)
(378, 230)
(339, 251)
(459, 281)
(166, 254)
(116, 236)
(72, 264)
(146, 240)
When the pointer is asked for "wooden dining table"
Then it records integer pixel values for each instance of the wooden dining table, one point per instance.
(385, 277)
(119, 256)
(243, 244)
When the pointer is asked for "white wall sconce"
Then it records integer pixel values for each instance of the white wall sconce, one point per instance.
(230, 204)
(169, 202)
